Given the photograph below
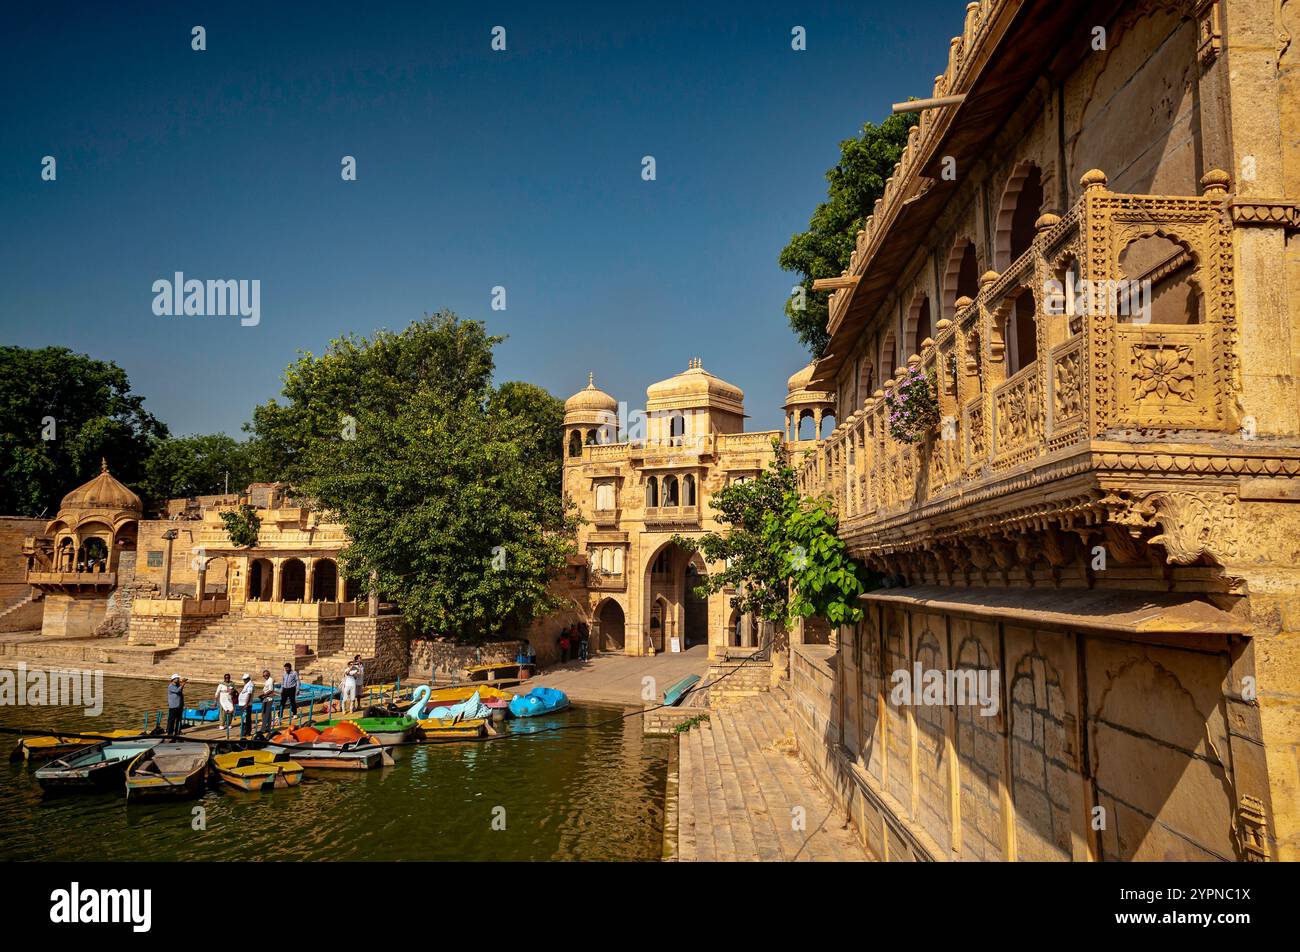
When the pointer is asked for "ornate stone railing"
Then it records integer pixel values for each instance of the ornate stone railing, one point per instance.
(1098, 374)
(672, 515)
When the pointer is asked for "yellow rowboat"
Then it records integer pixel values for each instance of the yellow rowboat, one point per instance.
(57, 745)
(439, 730)
(174, 769)
(258, 769)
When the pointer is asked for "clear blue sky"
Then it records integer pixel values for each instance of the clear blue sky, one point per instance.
(475, 169)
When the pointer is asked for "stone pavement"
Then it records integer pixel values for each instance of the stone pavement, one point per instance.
(617, 679)
(740, 783)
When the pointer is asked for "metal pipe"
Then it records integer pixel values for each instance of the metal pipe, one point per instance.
(919, 105)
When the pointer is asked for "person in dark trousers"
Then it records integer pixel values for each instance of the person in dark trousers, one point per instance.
(582, 642)
(175, 704)
(289, 692)
(246, 706)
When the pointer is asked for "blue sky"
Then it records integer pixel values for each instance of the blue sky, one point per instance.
(474, 169)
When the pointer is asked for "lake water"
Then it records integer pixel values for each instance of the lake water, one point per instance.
(595, 793)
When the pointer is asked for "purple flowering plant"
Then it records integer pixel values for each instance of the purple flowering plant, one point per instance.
(912, 405)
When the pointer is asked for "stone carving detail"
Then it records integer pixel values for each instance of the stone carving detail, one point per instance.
(1195, 524)
(1067, 388)
(1164, 372)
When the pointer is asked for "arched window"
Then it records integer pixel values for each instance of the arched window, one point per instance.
(590, 438)
(1022, 203)
(676, 428)
(575, 443)
(961, 279)
(1159, 285)
(688, 490)
(806, 430)
(888, 357)
(671, 495)
(918, 324)
(1021, 334)
(618, 561)
(652, 491)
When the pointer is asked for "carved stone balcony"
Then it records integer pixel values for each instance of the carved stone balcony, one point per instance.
(672, 516)
(1098, 433)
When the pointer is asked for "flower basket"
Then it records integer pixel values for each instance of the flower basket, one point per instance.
(913, 405)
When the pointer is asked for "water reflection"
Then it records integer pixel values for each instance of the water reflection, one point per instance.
(568, 794)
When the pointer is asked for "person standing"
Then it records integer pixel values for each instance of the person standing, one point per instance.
(350, 688)
(268, 699)
(246, 707)
(361, 676)
(582, 643)
(226, 702)
(175, 704)
(289, 692)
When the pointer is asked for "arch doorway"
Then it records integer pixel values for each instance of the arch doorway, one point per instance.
(260, 579)
(611, 623)
(697, 607)
(293, 580)
(324, 581)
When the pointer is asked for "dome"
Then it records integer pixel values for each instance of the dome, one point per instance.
(102, 492)
(590, 399)
(695, 387)
(798, 392)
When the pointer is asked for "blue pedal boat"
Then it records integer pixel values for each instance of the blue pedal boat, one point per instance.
(677, 691)
(538, 701)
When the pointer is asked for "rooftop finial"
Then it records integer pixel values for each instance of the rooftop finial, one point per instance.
(591, 378)
(103, 465)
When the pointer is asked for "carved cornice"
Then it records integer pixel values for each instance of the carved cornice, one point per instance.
(1266, 212)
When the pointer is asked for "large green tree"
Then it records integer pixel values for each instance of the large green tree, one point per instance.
(449, 487)
(196, 466)
(779, 551)
(323, 396)
(823, 251)
(60, 412)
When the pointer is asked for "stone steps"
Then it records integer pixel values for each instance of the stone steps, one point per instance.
(740, 783)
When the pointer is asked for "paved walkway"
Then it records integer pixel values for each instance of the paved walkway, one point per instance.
(618, 679)
(743, 790)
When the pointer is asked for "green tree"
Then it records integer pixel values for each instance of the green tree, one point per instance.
(95, 415)
(823, 251)
(444, 504)
(779, 551)
(196, 466)
(323, 396)
(242, 526)
(450, 489)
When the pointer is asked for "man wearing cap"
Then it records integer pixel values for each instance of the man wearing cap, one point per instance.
(175, 704)
(246, 707)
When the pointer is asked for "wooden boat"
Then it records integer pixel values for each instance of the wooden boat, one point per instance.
(386, 730)
(258, 769)
(317, 750)
(172, 769)
(59, 745)
(539, 701)
(100, 766)
(438, 730)
(678, 690)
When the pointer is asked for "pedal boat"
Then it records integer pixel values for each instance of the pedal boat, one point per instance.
(258, 770)
(386, 730)
(333, 749)
(434, 730)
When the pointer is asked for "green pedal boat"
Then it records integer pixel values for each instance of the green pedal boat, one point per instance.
(386, 730)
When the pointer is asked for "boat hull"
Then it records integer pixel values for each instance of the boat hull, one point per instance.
(97, 767)
(332, 757)
(257, 770)
(168, 772)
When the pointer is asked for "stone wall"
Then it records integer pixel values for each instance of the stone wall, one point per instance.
(14, 591)
(448, 659)
(665, 720)
(1130, 734)
(733, 679)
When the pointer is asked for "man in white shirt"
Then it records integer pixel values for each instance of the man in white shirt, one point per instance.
(246, 707)
(268, 699)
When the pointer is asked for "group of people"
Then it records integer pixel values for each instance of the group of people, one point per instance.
(232, 698)
(573, 642)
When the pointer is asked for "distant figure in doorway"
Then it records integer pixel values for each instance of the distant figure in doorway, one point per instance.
(289, 692)
(582, 642)
(226, 701)
(246, 707)
(175, 704)
(564, 646)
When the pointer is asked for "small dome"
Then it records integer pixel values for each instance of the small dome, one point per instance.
(695, 386)
(591, 399)
(798, 392)
(800, 380)
(102, 492)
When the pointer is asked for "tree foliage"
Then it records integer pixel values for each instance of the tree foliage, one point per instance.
(449, 488)
(196, 466)
(242, 526)
(95, 415)
(779, 551)
(823, 251)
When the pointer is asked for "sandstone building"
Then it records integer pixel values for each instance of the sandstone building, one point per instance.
(1108, 513)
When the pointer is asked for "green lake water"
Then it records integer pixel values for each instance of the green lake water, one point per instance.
(584, 794)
